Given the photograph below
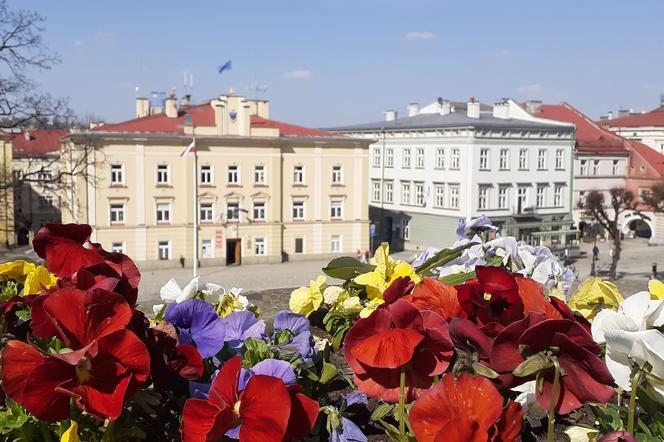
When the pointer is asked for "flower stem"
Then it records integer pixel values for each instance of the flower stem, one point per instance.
(552, 403)
(402, 401)
(632, 401)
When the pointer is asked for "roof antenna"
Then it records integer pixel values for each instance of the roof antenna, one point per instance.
(257, 88)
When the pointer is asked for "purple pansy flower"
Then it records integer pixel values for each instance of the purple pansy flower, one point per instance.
(197, 323)
(242, 325)
(355, 398)
(481, 224)
(300, 329)
(347, 431)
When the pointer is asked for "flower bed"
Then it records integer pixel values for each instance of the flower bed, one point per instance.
(478, 342)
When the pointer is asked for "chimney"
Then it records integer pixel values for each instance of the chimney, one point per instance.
(171, 107)
(623, 112)
(445, 107)
(142, 107)
(27, 135)
(185, 101)
(473, 108)
(661, 100)
(610, 115)
(501, 109)
(534, 107)
(390, 115)
(413, 109)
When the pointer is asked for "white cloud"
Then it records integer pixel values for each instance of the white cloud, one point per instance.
(420, 35)
(530, 89)
(300, 73)
(79, 43)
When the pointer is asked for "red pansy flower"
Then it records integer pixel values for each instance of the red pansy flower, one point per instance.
(396, 337)
(262, 408)
(12, 324)
(493, 297)
(399, 288)
(533, 298)
(107, 364)
(440, 298)
(468, 410)
(584, 376)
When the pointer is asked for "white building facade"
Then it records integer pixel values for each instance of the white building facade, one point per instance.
(450, 162)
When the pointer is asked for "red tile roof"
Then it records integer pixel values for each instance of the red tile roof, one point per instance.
(37, 142)
(652, 118)
(203, 115)
(590, 138)
(650, 155)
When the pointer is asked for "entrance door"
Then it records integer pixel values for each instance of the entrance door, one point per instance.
(233, 251)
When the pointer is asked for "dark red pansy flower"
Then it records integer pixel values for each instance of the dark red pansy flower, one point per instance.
(468, 410)
(492, 297)
(469, 338)
(399, 288)
(265, 409)
(171, 364)
(106, 276)
(396, 337)
(585, 377)
(303, 414)
(12, 324)
(567, 313)
(107, 363)
(66, 248)
(440, 298)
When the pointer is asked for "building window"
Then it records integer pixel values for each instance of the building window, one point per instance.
(455, 159)
(560, 159)
(299, 245)
(335, 244)
(583, 168)
(163, 177)
(117, 174)
(163, 213)
(440, 158)
(504, 159)
(389, 191)
(206, 174)
(164, 250)
(298, 210)
(233, 174)
(484, 159)
(502, 197)
(419, 158)
(540, 197)
(259, 174)
(406, 157)
(376, 157)
(337, 175)
(541, 159)
(405, 193)
(117, 247)
(454, 196)
(616, 167)
(44, 176)
(336, 209)
(582, 197)
(259, 247)
(233, 211)
(595, 167)
(375, 191)
(419, 194)
(117, 213)
(389, 157)
(206, 212)
(439, 195)
(206, 249)
(523, 159)
(259, 211)
(406, 230)
(483, 197)
(298, 174)
(521, 198)
(558, 195)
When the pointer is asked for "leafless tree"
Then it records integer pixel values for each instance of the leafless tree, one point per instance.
(655, 197)
(607, 214)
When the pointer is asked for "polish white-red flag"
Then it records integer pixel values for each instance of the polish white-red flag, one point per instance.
(190, 149)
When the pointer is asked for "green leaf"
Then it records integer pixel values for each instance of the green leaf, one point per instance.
(346, 267)
(441, 258)
(608, 416)
(457, 278)
(381, 411)
(485, 371)
(532, 365)
(329, 372)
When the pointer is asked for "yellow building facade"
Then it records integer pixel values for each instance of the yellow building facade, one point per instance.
(267, 191)
(7, 234)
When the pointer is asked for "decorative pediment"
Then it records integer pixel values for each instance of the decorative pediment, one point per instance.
(260, 195)
(234, 196)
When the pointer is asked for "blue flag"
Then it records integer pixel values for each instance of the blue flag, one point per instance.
(224, 66)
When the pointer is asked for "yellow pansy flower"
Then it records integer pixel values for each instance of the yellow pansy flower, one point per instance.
(370, 307)
(332, 295)
(71, 435)
(593, 295)
(33, 277)
(307, 299)
(656, 289)
(351, 305)
(386, 271)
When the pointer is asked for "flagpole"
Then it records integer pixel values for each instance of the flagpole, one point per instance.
(195, 180)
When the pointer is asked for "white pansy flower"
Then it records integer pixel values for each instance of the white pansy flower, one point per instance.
(528, 400)
(332, 294)
(156, 309)
(171, 291)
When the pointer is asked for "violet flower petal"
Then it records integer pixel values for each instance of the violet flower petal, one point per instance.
(242, 325)
(201, 321)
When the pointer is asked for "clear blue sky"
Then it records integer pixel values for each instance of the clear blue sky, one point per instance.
(337, 62)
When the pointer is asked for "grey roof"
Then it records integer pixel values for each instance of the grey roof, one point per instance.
(453, 119)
